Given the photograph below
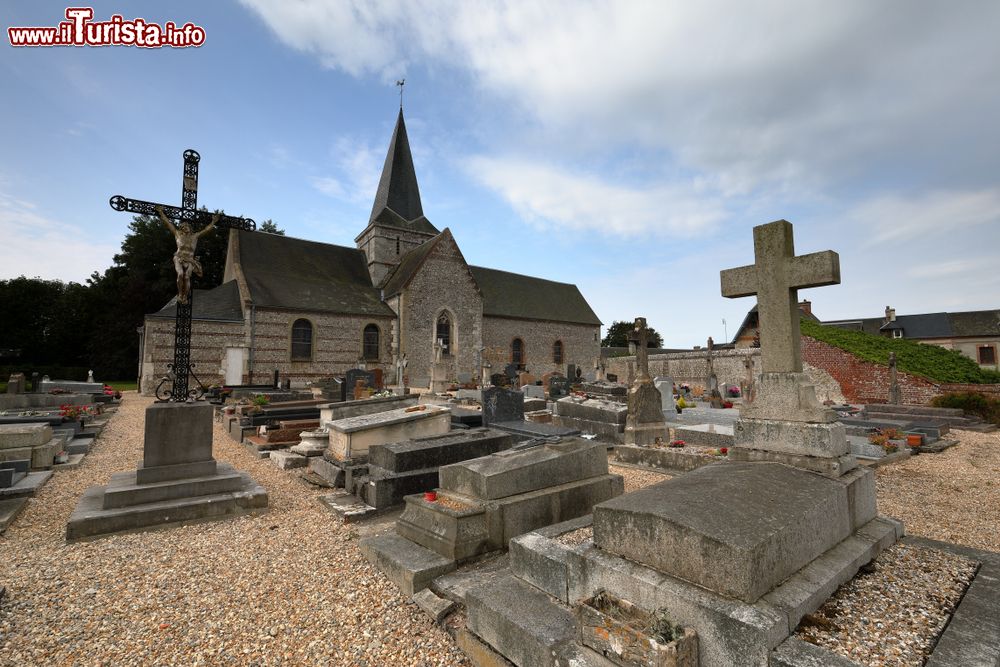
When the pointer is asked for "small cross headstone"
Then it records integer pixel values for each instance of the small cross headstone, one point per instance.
(894, 393)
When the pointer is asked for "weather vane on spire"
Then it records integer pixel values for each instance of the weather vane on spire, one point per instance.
(401, 83)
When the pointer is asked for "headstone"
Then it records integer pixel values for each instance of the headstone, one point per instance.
(645, 424)
(894, 393)
(612, 377)
(533, 391)
(90, 376)
(665, 386)
(360, 390)
(571, 372)
(16, 383)
(559, 386)
(511, 371)
(498, 380)
(465, 378)
(502, 405)
(354, 374)
(525, 378)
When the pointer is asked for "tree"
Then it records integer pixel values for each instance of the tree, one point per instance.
(618, 334)
(269, 227)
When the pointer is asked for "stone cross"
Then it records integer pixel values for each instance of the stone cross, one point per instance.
(641, 349)
(894, 394)
(775, 277)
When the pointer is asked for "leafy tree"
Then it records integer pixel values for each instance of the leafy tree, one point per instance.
(269, 227)
(619, 332)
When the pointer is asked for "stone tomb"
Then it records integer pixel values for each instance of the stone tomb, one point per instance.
(504, 409)
(33, 442)
(398, 469)
(482, 503)
(352, 437)
(178, 479)
(605, 419)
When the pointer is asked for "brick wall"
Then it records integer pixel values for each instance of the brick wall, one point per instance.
(865, 382)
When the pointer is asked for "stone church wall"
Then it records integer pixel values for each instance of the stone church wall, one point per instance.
(337, 345)
(580, 347)
(209, 341)
(442, 283)
(380, 244)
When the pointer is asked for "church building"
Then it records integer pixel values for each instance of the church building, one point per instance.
(311, 310)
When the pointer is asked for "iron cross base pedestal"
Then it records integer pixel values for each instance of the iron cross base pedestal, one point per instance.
(177, 481)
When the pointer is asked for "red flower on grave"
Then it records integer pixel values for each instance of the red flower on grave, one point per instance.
(724, 450)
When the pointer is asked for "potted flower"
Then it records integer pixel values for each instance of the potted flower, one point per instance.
(628, 635)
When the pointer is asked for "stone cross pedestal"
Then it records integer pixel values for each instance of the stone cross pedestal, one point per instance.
(785, 422)
(645, 423)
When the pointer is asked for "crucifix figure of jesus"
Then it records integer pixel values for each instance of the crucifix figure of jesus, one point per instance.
(775, 277)
(185, 262)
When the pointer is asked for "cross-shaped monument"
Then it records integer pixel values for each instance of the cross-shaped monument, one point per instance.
(785, 422)
(641, 349)
(188, 214)
(775, 277)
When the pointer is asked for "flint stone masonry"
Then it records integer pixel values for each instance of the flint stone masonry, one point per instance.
(354, 436)
(520, 471)
(763, 521)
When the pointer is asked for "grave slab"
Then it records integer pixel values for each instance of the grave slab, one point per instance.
(354, 436)
(288, 460)
(765, 521)
(10, 508)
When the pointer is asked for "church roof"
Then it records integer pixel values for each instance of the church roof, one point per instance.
(397, 189)
(408, 265)
(285, 272)
(526, 297)
(220, 304)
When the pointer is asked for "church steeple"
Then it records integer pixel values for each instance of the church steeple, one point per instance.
(397, 189)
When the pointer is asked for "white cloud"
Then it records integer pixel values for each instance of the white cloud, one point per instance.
(547, 196)
(787, 95)
(36, 245)
(897, 217)
(358, 168)
(328, 186)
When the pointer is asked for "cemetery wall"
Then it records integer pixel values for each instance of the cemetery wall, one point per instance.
(579, 345)
(337, 345)
(209, 341)
(692, 367)
(865, 382)
(443, 283)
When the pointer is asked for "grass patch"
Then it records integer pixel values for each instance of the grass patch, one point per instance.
(123, 385)
(930, 361)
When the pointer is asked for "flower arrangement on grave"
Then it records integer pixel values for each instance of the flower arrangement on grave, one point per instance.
(727, 404)
(676, 443)
(724, 451)
(734, 392)
(73, 413)
(681, 403)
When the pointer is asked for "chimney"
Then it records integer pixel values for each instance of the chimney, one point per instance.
(890, 314)
(806, 307)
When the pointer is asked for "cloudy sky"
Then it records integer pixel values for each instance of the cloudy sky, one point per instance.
(628, 147)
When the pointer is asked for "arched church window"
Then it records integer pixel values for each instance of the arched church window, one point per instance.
(517, 352)
(442, 332)
(302, 340)
(370, 342)
(557, 352)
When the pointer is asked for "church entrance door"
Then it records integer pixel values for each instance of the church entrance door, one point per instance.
(234, 364)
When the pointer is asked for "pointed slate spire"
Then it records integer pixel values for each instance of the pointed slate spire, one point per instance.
(397, 189)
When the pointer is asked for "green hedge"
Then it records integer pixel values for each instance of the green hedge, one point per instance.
(985, 407)
(930, 361)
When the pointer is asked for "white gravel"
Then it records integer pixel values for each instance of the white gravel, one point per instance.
(287, 586)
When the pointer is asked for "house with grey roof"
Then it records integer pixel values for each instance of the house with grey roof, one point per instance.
(312, 310)
(975, 333)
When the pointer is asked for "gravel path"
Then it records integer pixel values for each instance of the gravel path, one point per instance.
(952, 496)
(287, 586)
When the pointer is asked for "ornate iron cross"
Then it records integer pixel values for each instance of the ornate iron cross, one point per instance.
(188, 212)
